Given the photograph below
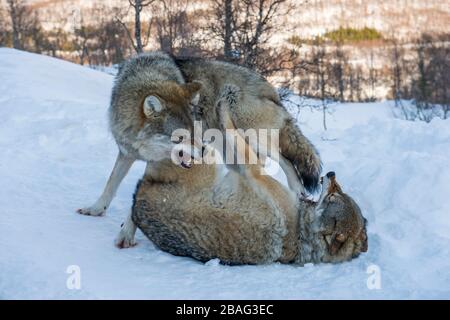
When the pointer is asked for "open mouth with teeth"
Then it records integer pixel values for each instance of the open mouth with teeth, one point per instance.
(185, 161)
(186, 165)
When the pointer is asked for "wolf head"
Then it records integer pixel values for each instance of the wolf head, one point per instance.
(342, 230)
(165, 113)
(150, 100)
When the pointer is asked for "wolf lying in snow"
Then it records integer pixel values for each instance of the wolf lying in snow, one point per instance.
(151, 98)
(246, 217)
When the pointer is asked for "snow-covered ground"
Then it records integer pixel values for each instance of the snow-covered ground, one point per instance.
(56, 154)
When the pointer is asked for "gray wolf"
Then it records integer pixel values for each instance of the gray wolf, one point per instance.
(150, 99)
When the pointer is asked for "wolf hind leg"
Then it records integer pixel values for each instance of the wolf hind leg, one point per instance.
(298, 150)
(294, 182)
(237, 150)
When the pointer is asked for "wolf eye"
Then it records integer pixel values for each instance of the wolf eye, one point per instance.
(180, 153)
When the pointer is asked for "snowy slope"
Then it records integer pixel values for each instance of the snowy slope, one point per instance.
(56, 154)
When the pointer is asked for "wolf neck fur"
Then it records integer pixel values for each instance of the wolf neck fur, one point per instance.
(311, 248)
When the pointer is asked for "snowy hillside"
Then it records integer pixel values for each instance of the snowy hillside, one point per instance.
(56, 154)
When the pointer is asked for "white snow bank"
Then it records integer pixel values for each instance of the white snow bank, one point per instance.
(56, 154)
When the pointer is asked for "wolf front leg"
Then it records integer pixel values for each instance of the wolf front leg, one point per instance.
(120, 170)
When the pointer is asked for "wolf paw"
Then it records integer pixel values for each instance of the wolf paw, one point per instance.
(92, 211)
(230, 93)
(227, 101)
(311, 172)
(125, 240)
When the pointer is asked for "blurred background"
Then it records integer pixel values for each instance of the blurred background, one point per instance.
(339, 50)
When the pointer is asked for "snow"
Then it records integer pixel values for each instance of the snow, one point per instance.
(56, 154)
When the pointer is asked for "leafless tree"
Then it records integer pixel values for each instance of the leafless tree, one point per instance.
(355, 82)
(421, 74)
(421, 84)
(398, 71)
(434, 76)
(440, 72)
(55, 41)
(228, 29)
(373, 76)
(5, 33)
(18, 12)
(175, 28)
(245, 28)
(139, 42)
(27, 33)
(221, 26)
(111, 41)
(255, 28)
(82, 35)
(104, 42)
(321, 69)
(338, 69)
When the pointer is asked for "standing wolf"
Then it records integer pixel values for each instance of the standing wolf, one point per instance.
(150, 100)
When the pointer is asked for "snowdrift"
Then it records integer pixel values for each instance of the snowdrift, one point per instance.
(56, 154)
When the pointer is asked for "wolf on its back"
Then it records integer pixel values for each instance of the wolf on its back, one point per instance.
(151, 97)
(245, 216)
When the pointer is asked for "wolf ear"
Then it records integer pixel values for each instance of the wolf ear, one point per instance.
(191, 90)
(152, 105)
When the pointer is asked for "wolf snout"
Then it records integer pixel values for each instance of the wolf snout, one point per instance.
(331, 174)
(328, 177)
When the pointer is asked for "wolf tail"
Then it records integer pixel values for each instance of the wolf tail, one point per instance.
(300, 151)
